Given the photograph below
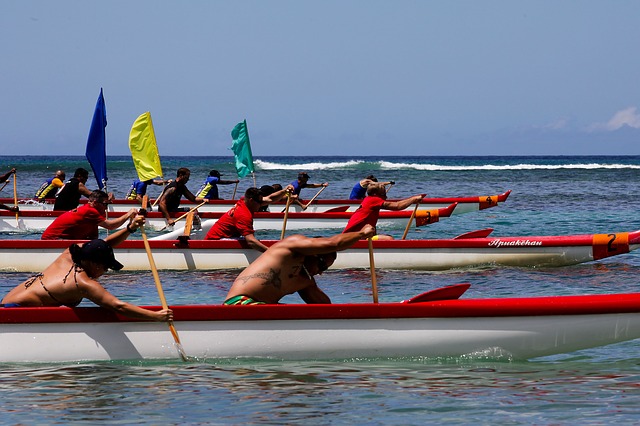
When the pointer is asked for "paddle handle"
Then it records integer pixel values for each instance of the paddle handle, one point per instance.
(156, 278)
(372, 267)
(15, 193)
(286, 215)
(314, 197)
(185, 215)
(234, 191)
(163, 299)
(413, 215)
(157, 199)
(154, 269)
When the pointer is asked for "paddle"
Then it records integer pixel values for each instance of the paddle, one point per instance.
(184, 215)
(286, 215)
(5, 184)
(314, 197)
(155, 203)
(234, 191)
(186, 233)
(391, 183)
(156, 277)
(413, 215)
(372, 267)
(15, 195)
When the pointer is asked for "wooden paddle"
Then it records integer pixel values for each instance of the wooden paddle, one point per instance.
(234, 191)
(5, 184)
(286, 215)
(184, 215)
(413, 215)
(389, 187)
(164, 188)
(15, 195)
(372, 267)
(183, 240)
(314, 197)
(156, 277)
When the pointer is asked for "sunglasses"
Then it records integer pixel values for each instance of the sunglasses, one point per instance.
(322, 263)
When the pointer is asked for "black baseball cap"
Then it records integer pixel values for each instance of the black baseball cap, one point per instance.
(100, 252)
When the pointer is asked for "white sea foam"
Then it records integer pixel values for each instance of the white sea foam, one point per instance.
(266, 165)
(386, 165)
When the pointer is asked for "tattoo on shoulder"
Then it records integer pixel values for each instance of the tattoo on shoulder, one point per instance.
(271, 278)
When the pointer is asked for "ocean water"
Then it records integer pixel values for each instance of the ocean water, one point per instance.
(551, 196)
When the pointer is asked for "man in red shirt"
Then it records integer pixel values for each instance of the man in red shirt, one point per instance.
(369, 211)
(82, 223)
(238, 221)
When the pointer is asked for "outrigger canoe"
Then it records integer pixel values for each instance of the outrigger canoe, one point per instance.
(473, 249)
(432, 326)
(465, 204)
(38, 221)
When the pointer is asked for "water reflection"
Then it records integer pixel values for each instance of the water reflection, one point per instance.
(240, 391)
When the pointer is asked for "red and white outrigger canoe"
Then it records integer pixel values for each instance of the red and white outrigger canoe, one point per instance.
(433, 326)
(38, 221)
(465, 204)
(468, 250)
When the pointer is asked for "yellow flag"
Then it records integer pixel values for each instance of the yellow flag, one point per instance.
(144, 151)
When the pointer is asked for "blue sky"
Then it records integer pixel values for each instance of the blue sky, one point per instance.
(324, 77)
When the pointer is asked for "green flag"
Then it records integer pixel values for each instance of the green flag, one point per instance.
(144, 150)
(242, 149)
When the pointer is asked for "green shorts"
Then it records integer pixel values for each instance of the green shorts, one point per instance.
(242, 300)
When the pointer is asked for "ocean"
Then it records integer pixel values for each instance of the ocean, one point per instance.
(551, 195)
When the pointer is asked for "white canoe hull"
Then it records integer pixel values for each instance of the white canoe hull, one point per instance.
(466, 204)
(39, 221)
(433, 255)
(39, 224)
(431, 329)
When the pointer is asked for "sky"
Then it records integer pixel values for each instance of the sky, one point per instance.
(330, 77)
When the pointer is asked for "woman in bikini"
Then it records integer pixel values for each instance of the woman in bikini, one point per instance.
(73, 277)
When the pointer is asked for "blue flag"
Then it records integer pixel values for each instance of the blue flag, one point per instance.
(242, 149)
(97, 143)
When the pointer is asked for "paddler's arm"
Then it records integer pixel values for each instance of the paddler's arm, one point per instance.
(402, 204)
(122, 234)
(101, 297)
(278, 195)
(189, 196)
(313, 295)
(316, 185)
(255, 243)
(311, 246)
(162, 205)
(117, 222)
